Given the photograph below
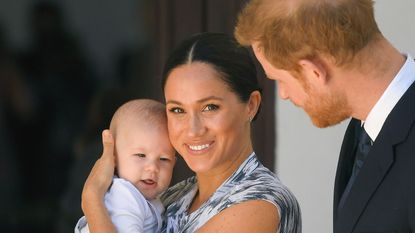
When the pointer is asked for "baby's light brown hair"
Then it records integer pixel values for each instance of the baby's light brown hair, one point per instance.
(139, 111)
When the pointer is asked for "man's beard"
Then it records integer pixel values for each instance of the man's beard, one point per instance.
(326, 109)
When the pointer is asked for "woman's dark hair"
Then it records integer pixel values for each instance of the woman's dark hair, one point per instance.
(224, 54)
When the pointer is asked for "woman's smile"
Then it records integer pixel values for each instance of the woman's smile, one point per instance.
(199, 148)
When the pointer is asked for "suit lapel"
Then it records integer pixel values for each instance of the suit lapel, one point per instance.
(376, 166)
(378, 162)
(345, 163)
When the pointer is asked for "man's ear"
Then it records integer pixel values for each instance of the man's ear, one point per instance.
(314, 70)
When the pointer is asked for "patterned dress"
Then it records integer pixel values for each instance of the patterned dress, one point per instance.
(251, 181)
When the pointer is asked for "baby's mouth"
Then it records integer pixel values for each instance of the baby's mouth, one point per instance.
(149, 182)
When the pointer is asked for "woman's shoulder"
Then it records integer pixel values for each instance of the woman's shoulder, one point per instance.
(256, 182)
(255, 178)
(261, 184)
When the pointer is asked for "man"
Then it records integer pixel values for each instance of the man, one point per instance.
(329, 58)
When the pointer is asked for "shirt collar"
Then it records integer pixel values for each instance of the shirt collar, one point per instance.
(396, 89)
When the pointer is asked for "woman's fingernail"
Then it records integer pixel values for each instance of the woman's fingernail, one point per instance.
(107, 134)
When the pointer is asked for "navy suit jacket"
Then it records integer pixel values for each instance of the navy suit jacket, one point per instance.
(382, 198)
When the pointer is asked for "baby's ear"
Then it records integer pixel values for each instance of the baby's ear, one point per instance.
(115, 159)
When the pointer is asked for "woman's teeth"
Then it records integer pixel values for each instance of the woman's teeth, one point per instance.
(199, 147)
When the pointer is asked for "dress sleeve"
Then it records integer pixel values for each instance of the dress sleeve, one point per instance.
(81, 226)
(270, 189)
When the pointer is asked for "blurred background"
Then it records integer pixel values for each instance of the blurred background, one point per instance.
(65, 66)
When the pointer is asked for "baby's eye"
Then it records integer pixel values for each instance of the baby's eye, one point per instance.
(140, 155)
(176, 110)
(165, 159)
(211, 107)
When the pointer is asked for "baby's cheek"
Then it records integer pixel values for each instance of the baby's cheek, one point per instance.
(166, 176)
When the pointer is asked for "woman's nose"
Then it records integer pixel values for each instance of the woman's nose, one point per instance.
(196, 126)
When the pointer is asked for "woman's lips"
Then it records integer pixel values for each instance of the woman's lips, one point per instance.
(199, 148)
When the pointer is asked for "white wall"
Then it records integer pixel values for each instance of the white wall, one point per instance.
(307, 156)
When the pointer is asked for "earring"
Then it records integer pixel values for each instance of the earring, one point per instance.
(250, 119)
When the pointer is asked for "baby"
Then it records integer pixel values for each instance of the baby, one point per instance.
(144, 165)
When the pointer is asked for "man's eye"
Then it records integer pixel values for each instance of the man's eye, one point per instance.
(140, 155)
(211, 107)
(176, 110)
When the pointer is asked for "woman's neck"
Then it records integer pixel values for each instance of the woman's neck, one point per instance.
(208, 183)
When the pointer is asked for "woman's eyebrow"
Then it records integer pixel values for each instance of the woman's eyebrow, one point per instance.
(209, 98)
(198, 101)
(173, 102)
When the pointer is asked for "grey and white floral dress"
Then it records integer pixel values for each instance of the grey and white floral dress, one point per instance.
(251, 181)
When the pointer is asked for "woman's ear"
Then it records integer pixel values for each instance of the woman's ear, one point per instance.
(314, 71)
(253, 104)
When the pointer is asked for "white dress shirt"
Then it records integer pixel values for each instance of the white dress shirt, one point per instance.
(393, 93)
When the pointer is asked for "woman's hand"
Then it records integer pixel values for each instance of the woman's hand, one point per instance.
(96, 186)
(101, 174)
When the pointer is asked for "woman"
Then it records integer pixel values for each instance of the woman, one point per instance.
(212, 96)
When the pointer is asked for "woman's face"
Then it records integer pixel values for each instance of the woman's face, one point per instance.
(208, 124)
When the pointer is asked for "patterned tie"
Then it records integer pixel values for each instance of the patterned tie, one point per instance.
(363, 148)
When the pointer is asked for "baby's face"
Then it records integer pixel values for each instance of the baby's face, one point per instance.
(145, 157)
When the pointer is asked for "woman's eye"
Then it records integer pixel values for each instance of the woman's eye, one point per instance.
(176, 110)
(140, 155)
(211, 107)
